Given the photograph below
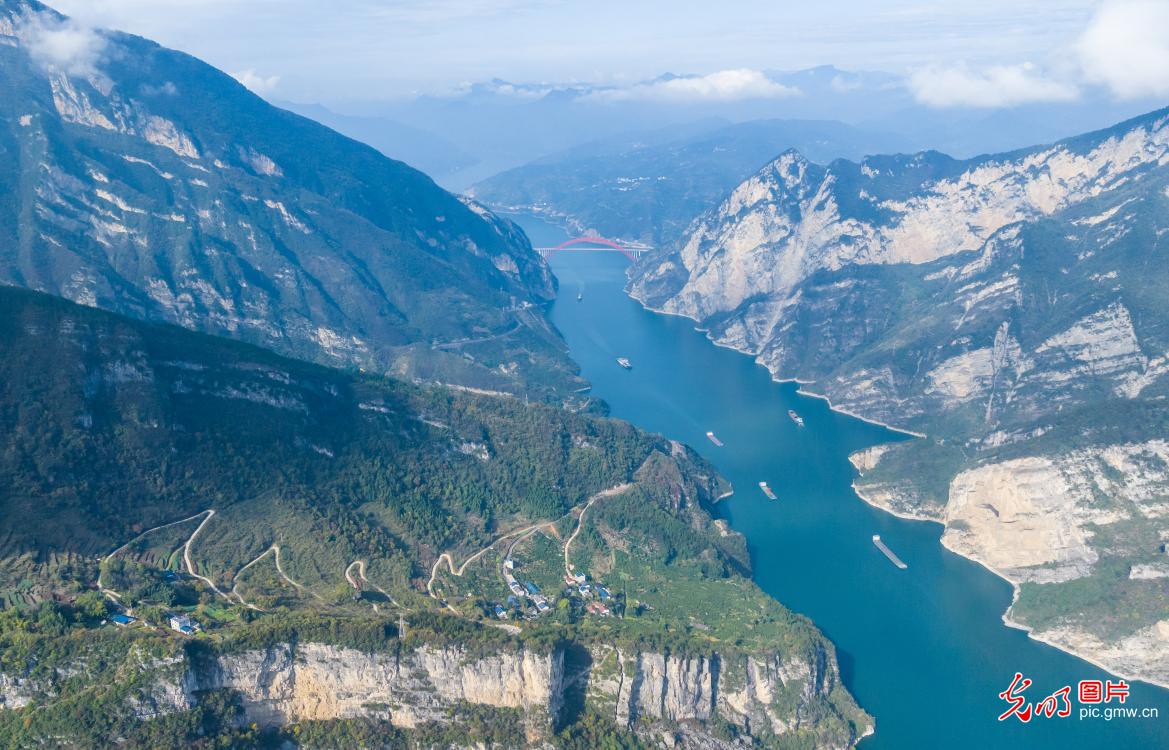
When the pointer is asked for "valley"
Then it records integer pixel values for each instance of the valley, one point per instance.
(839, 441)
(939, 623)
(1009, 308)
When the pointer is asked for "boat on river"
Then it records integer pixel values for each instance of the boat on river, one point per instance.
(893, 558)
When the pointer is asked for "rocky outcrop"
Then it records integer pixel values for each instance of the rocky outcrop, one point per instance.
(668, 699)
(1040, 519)
(283, 683)
(17, 692)
(1009, 307)
(794, 218)
(677, 696)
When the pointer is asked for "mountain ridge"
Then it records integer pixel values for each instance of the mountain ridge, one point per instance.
(1009, 309)
(299, 516)
(647, 188)
(206, 206)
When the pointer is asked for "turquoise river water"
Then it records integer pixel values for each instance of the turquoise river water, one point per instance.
(924, 649)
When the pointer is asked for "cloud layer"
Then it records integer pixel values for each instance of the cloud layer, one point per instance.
(1125, 48)
(262, 85)
(997, 86)
(722, 86)
(64, 45)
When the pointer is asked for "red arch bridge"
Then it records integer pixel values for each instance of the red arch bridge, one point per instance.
(595, 245)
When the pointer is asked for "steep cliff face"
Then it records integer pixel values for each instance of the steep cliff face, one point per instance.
(766, 696)
(668, 700)
(1012, 309)
(143, 181)
(648, 187)
(284, 684)
(795, 218)
(90, 397)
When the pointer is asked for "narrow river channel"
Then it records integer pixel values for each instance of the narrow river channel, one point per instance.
(922, 649)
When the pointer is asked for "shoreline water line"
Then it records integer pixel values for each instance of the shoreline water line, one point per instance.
(942, 625)
(1006, 618)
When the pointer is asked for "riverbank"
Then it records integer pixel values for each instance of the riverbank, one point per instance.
(775, 377)
(1092, 657)
(937, 624)
(1080, 653)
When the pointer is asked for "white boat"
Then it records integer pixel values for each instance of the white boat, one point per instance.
(768, 491)
(625, 363)
(714, 439)
(795, 417)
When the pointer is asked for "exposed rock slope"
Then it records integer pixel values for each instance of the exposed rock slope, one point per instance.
(666, 699)
(1012, 308)
(647, 188)
(140, 180)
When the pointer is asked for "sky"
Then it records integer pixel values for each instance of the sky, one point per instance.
(954, 52)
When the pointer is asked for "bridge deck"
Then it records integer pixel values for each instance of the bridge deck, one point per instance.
(578, 248)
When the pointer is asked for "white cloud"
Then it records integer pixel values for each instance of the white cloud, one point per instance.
(724, 85)
(65, 45)
(257, 83)
(995, 86)
(1126, 47)
(843, 84)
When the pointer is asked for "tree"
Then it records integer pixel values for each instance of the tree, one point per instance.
(92, 605)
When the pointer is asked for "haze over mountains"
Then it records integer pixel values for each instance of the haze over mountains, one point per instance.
(503, 124)
(646, 188)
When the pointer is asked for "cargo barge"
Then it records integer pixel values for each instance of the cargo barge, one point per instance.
(893, 558)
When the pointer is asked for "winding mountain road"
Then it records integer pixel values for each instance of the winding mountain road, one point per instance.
(612, 491)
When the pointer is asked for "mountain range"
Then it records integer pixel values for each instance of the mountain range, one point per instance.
(1011, 310)
(290, 454)
(647, 188)
(440, 159)
(155, 185)
(267, 475)
(307, 522)
(502, 124)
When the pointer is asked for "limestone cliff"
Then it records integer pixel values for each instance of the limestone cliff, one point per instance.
(1009, 307)
(667, 699)
(148, 183)
(766, 696)
(285, 683)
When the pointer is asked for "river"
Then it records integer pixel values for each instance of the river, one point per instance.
(924, 649)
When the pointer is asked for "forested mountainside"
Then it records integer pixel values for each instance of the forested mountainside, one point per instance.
(648, 187)
(1013, 309)
(338, 543)
(143, 181)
